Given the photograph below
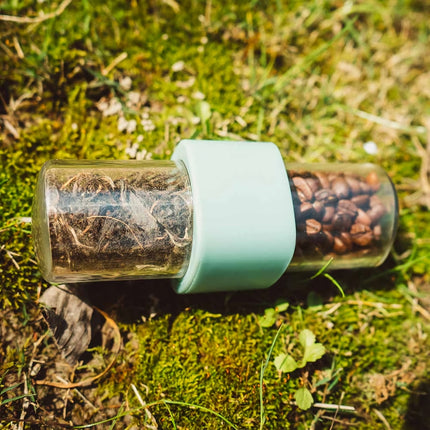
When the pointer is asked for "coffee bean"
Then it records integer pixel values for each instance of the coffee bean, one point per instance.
(306, 211)
(348, 207)
(340, 246)
(361, 234)
(365, 188)
(312, 227)
(358, 228)
(323, 178)
(372, 180)
(336, 213)
(328, 214)
(377, 209)
(301, 196)
(364, 239)
(377, 232)
(340, 187)
(326, 196)
(314, 184)
(363, 218)
(341, 221)
(327, 227)
(361, 201)
(303, 188)
(319, 210)
(354, 185)
(328, 239)
(376, 213)
(374, 201)
(346, 239)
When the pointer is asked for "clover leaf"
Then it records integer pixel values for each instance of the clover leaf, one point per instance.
(271, 314)
(312, 351)
(285, 363)
(269, 318)
(303, 398)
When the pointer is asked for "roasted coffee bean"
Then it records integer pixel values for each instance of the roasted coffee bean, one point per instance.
(306, 211)
(348, 207)
(314, 184)
(329, 212)
(326, 196)
(365, 188)
(346, 239)
(301, 196)
(319, 210)
(374, 200)
(303, 188)
(358, 228)
(342, 245)
(336, 213)
(361, 201)
(354, 185)
(340, 187)
(376, 213)
(327, 227)
(372, 180)
(312, 227)
(341, 221)
(323, 178)
(377, 232)
(377, 209)
(361, 234)
(363, 218)
(332, 176)
(328, 240)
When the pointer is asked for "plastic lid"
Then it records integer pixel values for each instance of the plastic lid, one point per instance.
(244, 231)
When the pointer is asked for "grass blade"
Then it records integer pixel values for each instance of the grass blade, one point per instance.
(262, 372)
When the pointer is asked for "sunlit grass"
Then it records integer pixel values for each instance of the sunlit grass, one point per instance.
(318, 79)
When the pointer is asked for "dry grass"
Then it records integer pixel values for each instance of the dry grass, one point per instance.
(320, 79)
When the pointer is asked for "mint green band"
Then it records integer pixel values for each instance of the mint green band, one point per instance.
(244, 231)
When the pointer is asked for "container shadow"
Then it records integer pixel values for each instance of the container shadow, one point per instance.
(418, 408)
(131, 301)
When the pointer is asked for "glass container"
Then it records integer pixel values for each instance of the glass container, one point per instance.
(114, 220)
(100, 220)
(346, 213)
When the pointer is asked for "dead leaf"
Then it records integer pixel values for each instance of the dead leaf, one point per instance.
(69, 318)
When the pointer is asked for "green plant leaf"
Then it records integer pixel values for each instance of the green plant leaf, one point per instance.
(285, 363)
(269, 318)
(281, 306)
(304, 398)
(203, 109)
(306, 338)
(313, 352)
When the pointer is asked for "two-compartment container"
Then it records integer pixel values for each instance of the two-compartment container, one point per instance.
(219, 216)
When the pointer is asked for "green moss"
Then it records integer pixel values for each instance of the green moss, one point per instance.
(301, 75)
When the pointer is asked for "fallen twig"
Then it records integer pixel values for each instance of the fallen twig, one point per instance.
(38, 19)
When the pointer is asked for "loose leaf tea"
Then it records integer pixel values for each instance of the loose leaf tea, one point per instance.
(128, 222)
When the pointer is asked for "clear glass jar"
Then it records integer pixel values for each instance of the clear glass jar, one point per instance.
(344, 212)
(100, 220)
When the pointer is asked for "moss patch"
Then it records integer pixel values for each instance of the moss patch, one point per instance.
(116, 80)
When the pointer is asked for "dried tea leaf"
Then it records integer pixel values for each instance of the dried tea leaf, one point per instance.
(69, 318)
